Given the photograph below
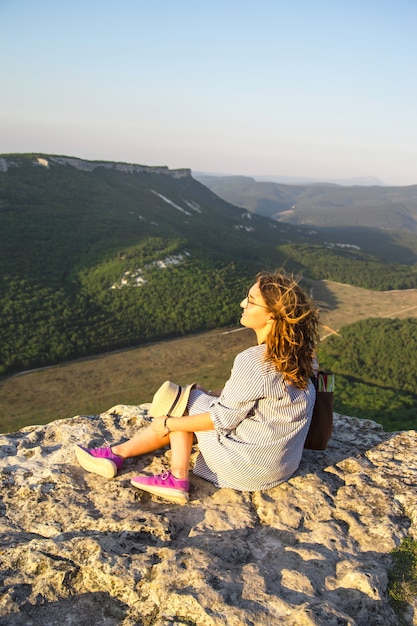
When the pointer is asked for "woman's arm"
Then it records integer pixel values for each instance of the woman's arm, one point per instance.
(187, 423)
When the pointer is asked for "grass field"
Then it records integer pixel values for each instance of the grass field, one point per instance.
(91, 386)
(344, 304)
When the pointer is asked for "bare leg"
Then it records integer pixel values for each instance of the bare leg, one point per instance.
(145, 441)
(181, 445)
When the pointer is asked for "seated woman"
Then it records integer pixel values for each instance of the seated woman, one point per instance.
(251, 434)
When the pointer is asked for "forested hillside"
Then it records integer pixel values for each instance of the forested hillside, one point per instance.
(94, 258)
(349, 265)
(99, 256)
(375, 362)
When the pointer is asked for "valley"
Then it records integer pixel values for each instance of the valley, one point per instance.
(93, 385)
(117, 276)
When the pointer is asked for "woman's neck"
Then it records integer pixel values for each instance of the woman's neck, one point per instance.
(261, 335)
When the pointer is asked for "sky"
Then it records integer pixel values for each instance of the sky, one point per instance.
(324, 89)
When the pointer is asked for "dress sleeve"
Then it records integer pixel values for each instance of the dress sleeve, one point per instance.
(240, 394)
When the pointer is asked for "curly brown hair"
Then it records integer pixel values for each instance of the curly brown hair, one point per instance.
(291, 343)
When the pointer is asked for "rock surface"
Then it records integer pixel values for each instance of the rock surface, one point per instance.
(79, 549)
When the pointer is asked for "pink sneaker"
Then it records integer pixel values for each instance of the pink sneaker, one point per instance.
(100, 461)
(164, 485)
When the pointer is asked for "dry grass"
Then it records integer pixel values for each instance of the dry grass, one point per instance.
(91, 386)
(94, 385)
(345, 304)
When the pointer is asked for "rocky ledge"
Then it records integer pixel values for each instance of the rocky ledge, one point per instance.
(78, 549)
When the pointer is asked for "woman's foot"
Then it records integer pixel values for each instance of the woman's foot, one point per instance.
(164, 485)
(101, 461)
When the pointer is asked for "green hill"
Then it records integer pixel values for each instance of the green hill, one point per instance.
(375, 377)
(99, 256)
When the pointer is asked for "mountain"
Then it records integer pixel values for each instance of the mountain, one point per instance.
(99, 255)
(365, 181)
(321, 205)
(79, 212)
(303, 180)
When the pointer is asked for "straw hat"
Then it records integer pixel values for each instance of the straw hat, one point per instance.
(170, 399)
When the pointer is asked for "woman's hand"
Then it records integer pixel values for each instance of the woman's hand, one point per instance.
(158, 426)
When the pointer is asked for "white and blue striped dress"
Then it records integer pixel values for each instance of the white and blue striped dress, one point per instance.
(260, 425)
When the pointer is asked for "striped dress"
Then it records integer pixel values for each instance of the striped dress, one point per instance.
(260, 425)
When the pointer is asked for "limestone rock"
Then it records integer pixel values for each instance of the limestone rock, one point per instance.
(79, 549)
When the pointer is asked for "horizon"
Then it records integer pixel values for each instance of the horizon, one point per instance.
(321, 92)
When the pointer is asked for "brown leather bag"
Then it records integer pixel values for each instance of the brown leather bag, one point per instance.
(321, 425)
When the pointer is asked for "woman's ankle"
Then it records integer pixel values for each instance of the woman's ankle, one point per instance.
(115, 451)
(179, 473)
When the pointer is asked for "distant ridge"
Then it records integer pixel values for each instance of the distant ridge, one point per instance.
(361, 181)
(321, 205)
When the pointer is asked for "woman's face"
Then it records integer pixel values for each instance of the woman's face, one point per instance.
(256, 314)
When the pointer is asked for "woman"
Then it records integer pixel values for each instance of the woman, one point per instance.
(251, 434)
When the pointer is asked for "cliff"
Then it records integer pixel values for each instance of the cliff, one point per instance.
(89, 166)
(78, 549)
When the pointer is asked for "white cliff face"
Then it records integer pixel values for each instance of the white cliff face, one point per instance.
(128, 168)
(89, 166)
(79, 549)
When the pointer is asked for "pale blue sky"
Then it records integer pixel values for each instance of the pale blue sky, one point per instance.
(315, 88)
